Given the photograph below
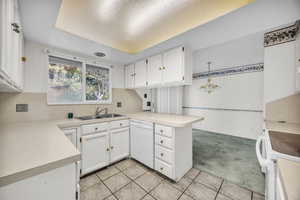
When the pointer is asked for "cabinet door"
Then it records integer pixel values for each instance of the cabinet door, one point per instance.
(95, 152)
(140, 74)
(155, 70)
(129, 76)
(119, 144)
(173, 62)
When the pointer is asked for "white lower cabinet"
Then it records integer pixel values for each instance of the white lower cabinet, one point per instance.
(119, 144)
(59, 183)
(95, 152)
(102, 144)
(173, 151)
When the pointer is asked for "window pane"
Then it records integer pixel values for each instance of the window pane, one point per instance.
(64, 81)
(97, 83)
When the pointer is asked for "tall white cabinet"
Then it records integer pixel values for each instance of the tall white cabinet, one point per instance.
(12, 44)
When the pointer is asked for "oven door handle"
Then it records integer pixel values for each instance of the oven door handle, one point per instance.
(263, 162)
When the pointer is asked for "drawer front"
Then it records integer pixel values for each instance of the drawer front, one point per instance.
(164, 130)
(164, 154)
(164, 141)
(164, 168)
(93, 128)
(119, 124)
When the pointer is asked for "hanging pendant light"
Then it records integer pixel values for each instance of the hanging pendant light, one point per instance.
(209, 87)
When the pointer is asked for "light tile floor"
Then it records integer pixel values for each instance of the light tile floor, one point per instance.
(130, 180)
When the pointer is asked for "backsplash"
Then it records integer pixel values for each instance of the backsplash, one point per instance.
(39, 110)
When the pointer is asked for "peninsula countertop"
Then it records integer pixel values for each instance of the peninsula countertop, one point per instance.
(31, 148)
(173, 120)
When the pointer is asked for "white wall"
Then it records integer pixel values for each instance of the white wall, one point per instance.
(242, 91)
(36, 68)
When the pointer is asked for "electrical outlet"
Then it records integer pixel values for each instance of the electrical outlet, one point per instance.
(21, 107)
(119, 104)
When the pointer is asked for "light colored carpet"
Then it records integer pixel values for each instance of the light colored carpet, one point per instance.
(229, 157)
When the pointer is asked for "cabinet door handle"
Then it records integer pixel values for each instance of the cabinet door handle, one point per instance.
(107, 149)
(161, 168)
(161, 141)
(163, 68)
(112, 147)
(16, 30)
(161, 131)
(121, 124)
(161, 154)
(96, 129)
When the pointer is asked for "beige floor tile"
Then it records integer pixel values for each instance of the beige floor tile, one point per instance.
(130, 192)
(124, 164)
(148, 181)
(200, 192)
(116, 182)
(165, 191)
(209, 180)
(107, 172)
(185, 197)
(192, 173)
(148, 197)
(134, 171)
(257, 196)
(182, 184)
(235, 192)
(95, 192)
(88, 181)
(111, 197)
(222, 197)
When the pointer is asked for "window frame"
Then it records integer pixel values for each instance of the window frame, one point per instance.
(84, 63)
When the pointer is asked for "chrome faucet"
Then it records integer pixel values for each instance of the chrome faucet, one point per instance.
(99, 110)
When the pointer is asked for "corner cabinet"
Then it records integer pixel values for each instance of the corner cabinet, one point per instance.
(170, 68)
(12, 44)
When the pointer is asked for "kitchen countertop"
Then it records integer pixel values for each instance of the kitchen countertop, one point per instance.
(31, 148)
(289, 170)
(166, 119)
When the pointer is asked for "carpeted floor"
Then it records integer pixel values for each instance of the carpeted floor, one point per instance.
(229, 157)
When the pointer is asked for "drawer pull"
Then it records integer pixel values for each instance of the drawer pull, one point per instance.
(161, 168)
(107, 149)
(161, 141)
(112, 147)
(121, 124)
(161, 154)
(161, 131)
(96, 129)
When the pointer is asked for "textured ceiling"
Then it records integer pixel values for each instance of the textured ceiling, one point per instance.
(134, 25)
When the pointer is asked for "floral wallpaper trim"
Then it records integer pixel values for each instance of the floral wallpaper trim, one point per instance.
(258, 67)
(282, 35)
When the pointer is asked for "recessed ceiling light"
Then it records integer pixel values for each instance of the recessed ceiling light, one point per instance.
(99, 54)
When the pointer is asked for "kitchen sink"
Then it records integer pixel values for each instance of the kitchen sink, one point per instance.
(111, 115)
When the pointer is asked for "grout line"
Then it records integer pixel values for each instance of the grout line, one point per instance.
(219, 189)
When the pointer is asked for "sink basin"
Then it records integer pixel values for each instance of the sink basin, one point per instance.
(111, 115)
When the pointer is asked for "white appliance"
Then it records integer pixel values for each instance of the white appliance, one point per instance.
(142, 142)
(268, 166)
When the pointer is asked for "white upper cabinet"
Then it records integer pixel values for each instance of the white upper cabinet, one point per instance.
(129, 76)
(140, 75)
(11, 66)
(155, 70)
(171, 68)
